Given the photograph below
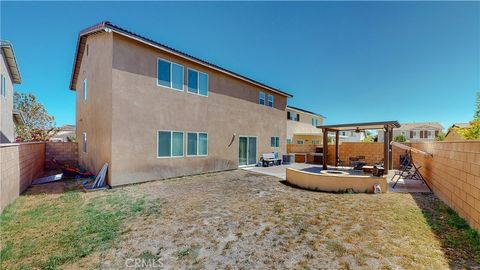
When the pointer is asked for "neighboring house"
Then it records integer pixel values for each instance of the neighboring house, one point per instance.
(416, 132)
(453, 135)
(302, 126)
(351, 136)
(153, 112)
(65, 134)
(9, 75)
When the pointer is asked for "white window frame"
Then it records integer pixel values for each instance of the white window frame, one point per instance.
(198, 143)
(268, 101)
(416, 134)
(198, 83)
(171, 75)
(433, 134)
(260, 98)
(171, 143)
(84, 142)
(85, 89)
(289, 141)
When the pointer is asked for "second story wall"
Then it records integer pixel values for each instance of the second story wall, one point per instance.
(7, 127)
(299, 122)
(141, 107)
(94, 105)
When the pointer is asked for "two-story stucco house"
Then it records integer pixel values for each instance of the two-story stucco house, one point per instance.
(9, 75)
(416, 132)
(153, 112)
(302, 126)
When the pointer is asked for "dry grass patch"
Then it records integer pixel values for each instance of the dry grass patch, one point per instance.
(235, 219)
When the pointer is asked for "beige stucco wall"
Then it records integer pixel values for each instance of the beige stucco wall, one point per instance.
(7, 127)
(20, 163)
(137, 108)
(304, 126)
(335, 183)
(94, 116)
(308, 139)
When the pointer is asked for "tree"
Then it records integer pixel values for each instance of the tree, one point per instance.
(440, 136)
(400, 138)
(369, 136)
(39, 125)
(472, 132)
(477, 107)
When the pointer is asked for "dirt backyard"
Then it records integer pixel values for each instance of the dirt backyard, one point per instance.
(231, 220)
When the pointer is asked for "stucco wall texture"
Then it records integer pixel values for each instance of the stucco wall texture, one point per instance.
(19, 165)
(134, 108)
(7, 127)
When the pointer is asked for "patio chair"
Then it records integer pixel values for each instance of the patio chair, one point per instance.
(340, 162)
(352, 161)
(408, 170)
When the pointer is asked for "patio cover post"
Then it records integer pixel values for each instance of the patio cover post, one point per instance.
(390, 153)
(386, 148)
(325, 147)
(337, 133)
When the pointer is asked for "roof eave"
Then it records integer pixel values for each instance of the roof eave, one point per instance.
(79, 50)
(304, 111)
(107, 25)
(11, 60)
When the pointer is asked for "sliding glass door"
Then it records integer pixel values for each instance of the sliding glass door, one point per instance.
(247, 151)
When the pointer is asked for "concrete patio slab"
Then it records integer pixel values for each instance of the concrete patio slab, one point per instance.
(403, 186)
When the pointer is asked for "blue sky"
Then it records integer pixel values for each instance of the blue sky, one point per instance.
(350, 61)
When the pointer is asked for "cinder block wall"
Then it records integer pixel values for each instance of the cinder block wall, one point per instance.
(301, 148)
(62, 151)
(373, 152)
(19, 165)
(453, 173)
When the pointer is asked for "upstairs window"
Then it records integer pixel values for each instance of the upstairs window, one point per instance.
(84, 142)
(85, 90)
(261, 98)
(170, 74)
(197, 82)
(270, 101)
(275, 141)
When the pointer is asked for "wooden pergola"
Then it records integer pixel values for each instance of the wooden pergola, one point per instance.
(386, 126)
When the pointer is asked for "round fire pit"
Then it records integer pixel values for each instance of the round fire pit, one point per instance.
(335, 172)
